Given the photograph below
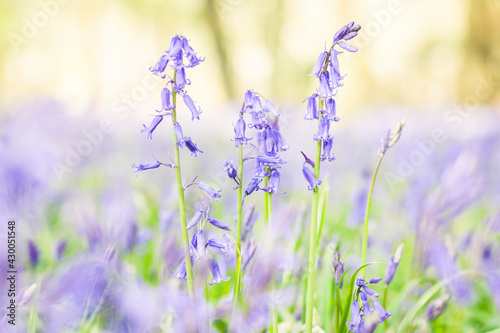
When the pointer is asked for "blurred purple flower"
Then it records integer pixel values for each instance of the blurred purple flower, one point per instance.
(214, 268)
(218, 224)
(33, 252)
(210, 191)
(392, 265)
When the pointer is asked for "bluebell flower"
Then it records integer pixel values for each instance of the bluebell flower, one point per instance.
(360, 282)
(347, 47)
(327, 150)
(323, 130)
(193, 148)
(337, 269)
(218, 224)
(239, 133)
(375, 280)
(33, 253)
(259, 120)
(181, 142)
(225, 246)
(214, 268)
(279, 141)
(266, 142)
(231, 171)
(311, 179)
(160, 66)
(273, 183)
(191, 54)
(312, 107)
(165, 100)
(392, 265)
(342, 32)
(330, 111)
(156, 121)
(146, 166)
(209, 190)
(436, 307)
(252, 186)
(269, 107)
(356, 318)
(319, 64)
(389, 138)
(257, 104)
(382, 313)
(175, 52)
(199, 244)
(195, 219)
(336, 78)
(264, 161)
(248, 100)
(325, 89)
(180, 273)
(195, 113)
(180, 79)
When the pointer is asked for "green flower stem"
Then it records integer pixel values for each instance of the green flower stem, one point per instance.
(268, 210)
(384, 304)
(237, 284)
(367, 215)
(182, 204)
(313, 243)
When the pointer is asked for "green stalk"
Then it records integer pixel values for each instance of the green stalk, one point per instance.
(268, 210)
(182, 205)
(384, 305)
(312, 245)
(237, 284)
(367, 214)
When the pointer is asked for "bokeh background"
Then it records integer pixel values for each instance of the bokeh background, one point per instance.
(75, 91)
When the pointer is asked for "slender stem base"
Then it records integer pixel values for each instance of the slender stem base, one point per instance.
(182, 204)
(364, 246)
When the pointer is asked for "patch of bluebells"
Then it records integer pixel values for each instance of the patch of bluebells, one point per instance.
(179, 57)
(321, 105)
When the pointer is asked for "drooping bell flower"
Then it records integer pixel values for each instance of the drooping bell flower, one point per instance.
(325, 89)
(195, 219)
(327, 150)
(165, 100)
(218, 224)
(181, 142)
(231, 171)
(252, 186)
(382, 313)
(239, 133)
(193, 148)
(392, 265)
(160, 66)
(225, 246)
(195, 112)
(323, 130)
(319, 64)
(312, 107)
(356, 318)
(191, 54)
(150, 129)
(146, 166)
(210, 191)
(273, 183)
(214, 268)
(331, 110)
(310, 178)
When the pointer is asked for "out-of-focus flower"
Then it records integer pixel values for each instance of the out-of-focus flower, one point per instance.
(209, 190)
(382, 313)
(393, 263)
(225, 246)
(195, 219)
(214, 268)
(319, 64)
(327, 150)
(312, 107)
(436, 307)
(218, 224)
(356, 318)
(33, 252)
(389, 139)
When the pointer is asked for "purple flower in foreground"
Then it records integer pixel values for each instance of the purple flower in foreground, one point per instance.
(195, 219)
(273, 183)
(331, 110)
(33, 252)
(165, 100)
(392, 265)
(239, 133)
(356, 318)
(231, 171)
(382, 313)
(218, 224)
(324, 128)
(312, 107)
(327, 150)
(160, 66)
(193, 148)
(210, 191)
(180, 79)
(225, 246)
(146, 166)
(252, 186)
(311, 179)
(319, 64)
(279, 141)
(180, 273)
(195, 113)
(156, 121)
(214, 268)
(180, 137)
